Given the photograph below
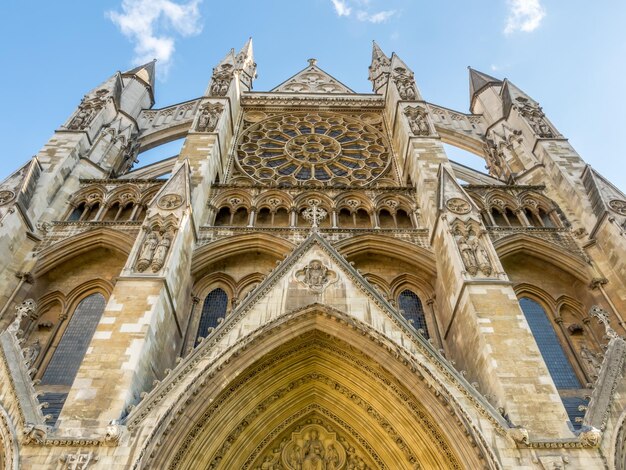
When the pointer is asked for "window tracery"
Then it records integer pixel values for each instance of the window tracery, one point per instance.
(310, 148)
(412, 309)
(214, 307)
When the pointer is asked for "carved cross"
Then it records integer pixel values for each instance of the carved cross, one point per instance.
(603, 318)
(314, 213)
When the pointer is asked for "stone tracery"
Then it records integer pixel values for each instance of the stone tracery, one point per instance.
(304, 148)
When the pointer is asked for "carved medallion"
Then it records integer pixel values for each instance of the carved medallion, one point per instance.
(458, 205)
(616, 205)
(316, 276)
(6, 196)
(170, 201)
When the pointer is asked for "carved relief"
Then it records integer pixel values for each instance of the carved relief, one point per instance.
(603, 318)
(458, 205)
(209, 116)
(78, 460)
(221, 80)
(418, 120)
(536, 118)
(156, 244)
(316, 276)
(405, 83)
(473, 252)
(314, 213)
(170, 201)
(6, 196)
(25, 309)
(616, 205)
(87, 111)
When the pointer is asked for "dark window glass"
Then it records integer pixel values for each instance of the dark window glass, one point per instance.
(55, 403)
(68, 355)
(411, 304)
(571, 405)
(214, 307)
(558, 365)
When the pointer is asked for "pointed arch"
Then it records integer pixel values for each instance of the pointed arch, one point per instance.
(307, 360)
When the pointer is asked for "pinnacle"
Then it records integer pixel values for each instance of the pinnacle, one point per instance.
(479, 80)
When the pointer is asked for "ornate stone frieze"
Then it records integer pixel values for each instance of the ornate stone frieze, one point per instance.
(6, 196)
(619, 206)
(170, 201)
(261, 100)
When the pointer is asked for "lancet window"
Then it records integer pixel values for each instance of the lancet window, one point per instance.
(214, 307)
(413, 311)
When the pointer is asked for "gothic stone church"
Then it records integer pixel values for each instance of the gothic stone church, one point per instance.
(311, 284)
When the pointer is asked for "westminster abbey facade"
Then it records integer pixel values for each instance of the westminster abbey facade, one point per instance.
(311, 284)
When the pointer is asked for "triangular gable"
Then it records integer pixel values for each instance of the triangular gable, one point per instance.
(315, 273)
(20, 185)
(175, 193)
(312, 79)
(604, 196)
(451, 195)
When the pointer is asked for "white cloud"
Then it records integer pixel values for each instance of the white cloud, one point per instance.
(342, 8)
(524, 15)
(153, 25)
(364, 11)
(378, 17)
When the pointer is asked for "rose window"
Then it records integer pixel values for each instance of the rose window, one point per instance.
(304, 148)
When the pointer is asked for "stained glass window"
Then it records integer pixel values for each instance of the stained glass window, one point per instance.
(214, 307)
(411, 305)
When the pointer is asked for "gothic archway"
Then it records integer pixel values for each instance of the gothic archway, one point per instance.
(312, 380)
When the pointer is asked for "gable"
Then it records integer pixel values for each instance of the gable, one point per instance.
(312, 79)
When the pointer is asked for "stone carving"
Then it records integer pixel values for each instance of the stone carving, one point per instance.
(6, 196)
(616, 205)
(590, 436)
(458, 205)
(322, 147)
(160, 253)
(170, 201)
(312, 81)
(146, 253)
(113, 434)
(591, 361)
(209, 116)
(473, 253)
(221, 80)
(553, 462)
(313, 448)
(34, 433)
(314, 213)
(78, 460)
(25, 309)
(87, 111)
(316, 276)
(603, 318)
(31, 353)
(418, 120)
(536, 118)
(405, 84)
(519, 434)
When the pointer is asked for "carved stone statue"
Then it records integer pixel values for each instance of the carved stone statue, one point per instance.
(482, 259)
(332, 458)
(591, 361)
(210, 115)
(147, 252)
(221, 80)
(313, 453)
(473, 253)
(418, 121)
(31, 353)
(468, 256)
(160, 253)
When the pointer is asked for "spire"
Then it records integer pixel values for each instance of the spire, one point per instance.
(379, 68)
(245, 64)
(512, 95)
(404, 79)
(144, 72)
(479, 81)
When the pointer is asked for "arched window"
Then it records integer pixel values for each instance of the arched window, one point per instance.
(68, 355)
(214, 307)
(411, 305)
(554, 356)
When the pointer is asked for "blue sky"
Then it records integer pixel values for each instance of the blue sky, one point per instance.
(568, 55)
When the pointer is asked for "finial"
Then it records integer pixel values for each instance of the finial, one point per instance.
(312, 62)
